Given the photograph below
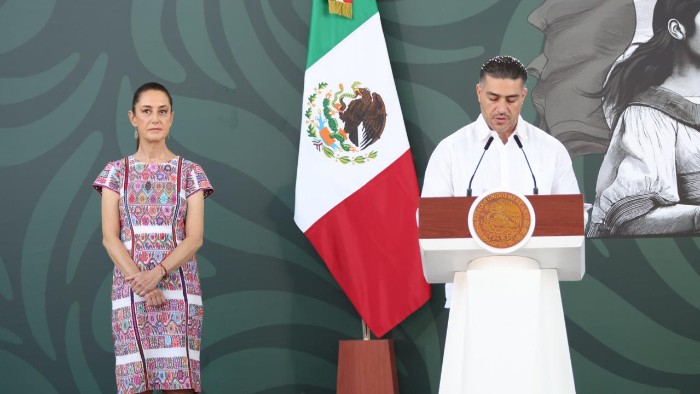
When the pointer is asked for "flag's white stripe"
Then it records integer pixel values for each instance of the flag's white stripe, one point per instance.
(321, 182)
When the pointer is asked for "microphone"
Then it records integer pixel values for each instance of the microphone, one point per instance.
(486, 147)
(520, 145)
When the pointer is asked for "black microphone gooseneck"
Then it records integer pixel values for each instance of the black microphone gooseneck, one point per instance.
(486, 147)
(520, 145)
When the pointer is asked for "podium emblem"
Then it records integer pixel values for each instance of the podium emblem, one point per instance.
(501, 221)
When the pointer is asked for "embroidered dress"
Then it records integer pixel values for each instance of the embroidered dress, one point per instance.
(156, 347)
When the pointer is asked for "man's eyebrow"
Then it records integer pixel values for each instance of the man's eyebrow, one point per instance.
(498, 95)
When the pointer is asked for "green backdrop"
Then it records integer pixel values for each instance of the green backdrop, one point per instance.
(274, 315)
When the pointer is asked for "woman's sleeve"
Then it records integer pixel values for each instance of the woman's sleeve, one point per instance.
(197, 180)
(110, 177)
(641, 171)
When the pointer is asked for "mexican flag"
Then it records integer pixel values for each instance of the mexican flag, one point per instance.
(356, 189)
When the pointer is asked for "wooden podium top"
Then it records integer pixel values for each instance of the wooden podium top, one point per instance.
(446, 217)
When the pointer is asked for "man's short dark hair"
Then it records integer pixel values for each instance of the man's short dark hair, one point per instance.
(503, 67)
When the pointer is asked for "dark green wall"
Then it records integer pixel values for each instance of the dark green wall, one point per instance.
(273, 313)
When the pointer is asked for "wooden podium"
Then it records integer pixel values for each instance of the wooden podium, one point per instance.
(506, 329)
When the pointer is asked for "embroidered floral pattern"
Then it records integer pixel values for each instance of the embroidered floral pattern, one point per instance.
(168, 338)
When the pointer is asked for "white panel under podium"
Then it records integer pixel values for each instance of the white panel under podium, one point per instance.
(565, 254)
(506, 331)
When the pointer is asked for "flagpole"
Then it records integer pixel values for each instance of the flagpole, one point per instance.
(366, 334)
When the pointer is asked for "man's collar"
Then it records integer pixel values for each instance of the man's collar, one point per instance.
(483, 130)
(521, 130)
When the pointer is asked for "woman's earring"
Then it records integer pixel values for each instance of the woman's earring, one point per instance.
(136, 134)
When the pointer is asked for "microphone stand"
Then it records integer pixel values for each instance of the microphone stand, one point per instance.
(486, 147)
(520, 145)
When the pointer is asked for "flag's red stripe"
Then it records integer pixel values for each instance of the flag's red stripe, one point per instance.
(370, 244)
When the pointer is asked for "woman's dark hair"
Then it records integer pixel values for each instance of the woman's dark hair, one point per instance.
(652, 62)
(144, 88)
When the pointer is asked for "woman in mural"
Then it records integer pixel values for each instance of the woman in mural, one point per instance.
(649, 182)
(152, 225)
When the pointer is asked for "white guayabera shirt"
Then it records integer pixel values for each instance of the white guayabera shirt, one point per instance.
(503, 166)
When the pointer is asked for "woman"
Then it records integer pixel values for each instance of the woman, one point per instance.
(649, 182)
(152, 225)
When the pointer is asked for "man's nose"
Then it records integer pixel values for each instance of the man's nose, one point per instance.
(501, 106)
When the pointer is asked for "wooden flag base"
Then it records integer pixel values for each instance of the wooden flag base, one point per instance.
(366, 367)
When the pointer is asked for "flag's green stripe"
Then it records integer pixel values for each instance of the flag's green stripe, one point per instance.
(328, 30)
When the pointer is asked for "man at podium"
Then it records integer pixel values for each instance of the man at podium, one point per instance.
(499, 151)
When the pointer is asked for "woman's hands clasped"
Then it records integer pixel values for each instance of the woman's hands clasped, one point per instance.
(143, 282)
(155, 297)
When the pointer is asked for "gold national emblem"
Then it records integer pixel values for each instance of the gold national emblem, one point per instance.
(501, 220)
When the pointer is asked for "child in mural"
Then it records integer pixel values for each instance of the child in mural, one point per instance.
(649, 182)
